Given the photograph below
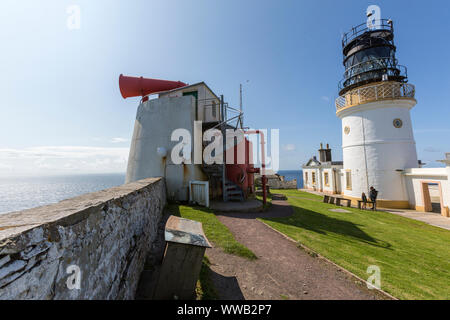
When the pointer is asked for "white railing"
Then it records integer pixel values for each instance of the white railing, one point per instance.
(380, 91)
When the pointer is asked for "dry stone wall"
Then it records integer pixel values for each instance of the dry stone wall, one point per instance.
(90, 247)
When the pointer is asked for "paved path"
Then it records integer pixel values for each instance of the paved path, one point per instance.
(434, 219)
(431, 218)
(282, 270)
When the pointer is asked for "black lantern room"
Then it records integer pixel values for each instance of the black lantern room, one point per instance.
(369, 56)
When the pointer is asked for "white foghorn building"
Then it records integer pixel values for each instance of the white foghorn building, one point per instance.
(377, 136)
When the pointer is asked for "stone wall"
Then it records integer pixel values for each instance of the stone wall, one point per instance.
(275, 181)
(90, 247)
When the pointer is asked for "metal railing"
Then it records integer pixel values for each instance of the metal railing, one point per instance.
(380, 91)
(389, 65)
(211, 109)
(382, 24)
(212, 113)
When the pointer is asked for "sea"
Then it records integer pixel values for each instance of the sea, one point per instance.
(28, 192)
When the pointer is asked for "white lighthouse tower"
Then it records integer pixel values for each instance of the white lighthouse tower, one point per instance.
(374, 105)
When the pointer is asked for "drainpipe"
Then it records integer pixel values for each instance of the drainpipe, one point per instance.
(263, 162)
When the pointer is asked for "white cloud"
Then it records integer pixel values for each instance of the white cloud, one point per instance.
(118, 140)
(325, 98)
(289, 147)
(46, 160)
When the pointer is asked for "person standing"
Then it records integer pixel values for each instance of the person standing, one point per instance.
(373, 197)
(364, 200)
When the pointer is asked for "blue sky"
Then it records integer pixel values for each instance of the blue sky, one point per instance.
(61, 110)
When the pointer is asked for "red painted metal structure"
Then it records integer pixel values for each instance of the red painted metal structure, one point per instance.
(134, 86)
(241, 170)
(242, 174)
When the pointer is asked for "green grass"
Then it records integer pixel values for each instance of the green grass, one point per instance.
(414, 257)
(215, 231)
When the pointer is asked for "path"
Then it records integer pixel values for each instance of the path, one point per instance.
(431, 218)
(282, 270)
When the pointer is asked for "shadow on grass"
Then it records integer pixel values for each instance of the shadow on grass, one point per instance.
(322, 224)
(174, 209)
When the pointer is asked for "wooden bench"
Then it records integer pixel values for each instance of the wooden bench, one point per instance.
(347, 201)
(185, 247)
(360, 202)
(336, 200)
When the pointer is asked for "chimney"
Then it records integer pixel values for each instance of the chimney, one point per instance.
(324, 154)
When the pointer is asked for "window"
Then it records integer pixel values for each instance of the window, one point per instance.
(325, 179)
(398, 123)
(306, 177)
(314, 178)
(348, 179)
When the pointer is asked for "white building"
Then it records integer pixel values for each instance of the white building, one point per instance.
(377, 136)
(426, 189)
(151, 144)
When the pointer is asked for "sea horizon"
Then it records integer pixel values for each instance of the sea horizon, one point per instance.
(22, 192)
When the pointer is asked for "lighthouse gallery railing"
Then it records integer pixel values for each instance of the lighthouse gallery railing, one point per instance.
(379, 91)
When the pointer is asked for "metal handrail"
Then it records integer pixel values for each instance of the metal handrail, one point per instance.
(236, 114)
(380, 91)
(362, 28)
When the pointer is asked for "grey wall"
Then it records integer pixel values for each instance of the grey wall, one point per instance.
(107, 234)
(155, 121)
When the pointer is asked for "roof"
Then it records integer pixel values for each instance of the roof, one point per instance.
(191, 85)
(312, 162)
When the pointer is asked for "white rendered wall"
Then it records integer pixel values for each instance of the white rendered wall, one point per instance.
(415, 177)
(309, 184)
(374, 149)
(155, 121)
(327, 188)
(307, 178)
(205, 101)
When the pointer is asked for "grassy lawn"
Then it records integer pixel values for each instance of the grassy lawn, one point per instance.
(414, 258)
(215, 231)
